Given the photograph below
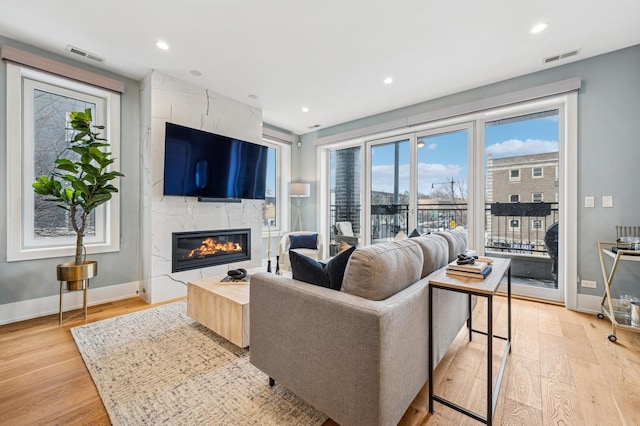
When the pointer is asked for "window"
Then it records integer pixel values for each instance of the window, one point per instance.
(536, 197)
(514, 223)
(272, 213)
(514, 198)
(345, 185)
(536, 224)
(536, 172)
(37, 117)
(514, 175)
(269, 211)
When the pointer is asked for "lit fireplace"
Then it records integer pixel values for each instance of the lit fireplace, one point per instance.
(192, 250)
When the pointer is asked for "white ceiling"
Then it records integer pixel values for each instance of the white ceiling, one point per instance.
(330, 56)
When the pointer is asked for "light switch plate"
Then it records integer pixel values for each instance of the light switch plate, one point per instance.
(607, 201)
(589, 201)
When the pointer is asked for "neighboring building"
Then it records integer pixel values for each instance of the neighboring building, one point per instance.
(346, 196)
(531, 181)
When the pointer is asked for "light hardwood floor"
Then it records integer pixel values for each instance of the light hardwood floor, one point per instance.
(562, 370)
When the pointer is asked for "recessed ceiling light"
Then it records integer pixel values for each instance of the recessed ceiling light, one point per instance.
(538, 28)
(305, 109)
(162, 45)
(388, 80)
(196, 73)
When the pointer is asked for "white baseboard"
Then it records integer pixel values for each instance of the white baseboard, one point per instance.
(27, 309)
(588, 303)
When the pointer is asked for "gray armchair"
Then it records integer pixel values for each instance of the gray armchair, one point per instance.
(344, 232)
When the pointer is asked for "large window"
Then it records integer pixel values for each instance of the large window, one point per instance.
(38, 111)
(273, 215)
(465, 167)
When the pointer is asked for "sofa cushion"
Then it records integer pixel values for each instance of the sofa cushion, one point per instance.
(435, 251)
(457, 239)
(305, 241)
(307, 269)
(311, 271)
(336, 266)
(379, 271)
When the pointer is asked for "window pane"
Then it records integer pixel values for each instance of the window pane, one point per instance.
(389, 190)
(51, 138)
(346, 169)
(442, 180)
(269, 216)
(525, 146)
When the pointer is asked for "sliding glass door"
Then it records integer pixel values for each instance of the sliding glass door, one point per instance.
(417, 182)
(522, 199)
(388, 188)
(507, 175)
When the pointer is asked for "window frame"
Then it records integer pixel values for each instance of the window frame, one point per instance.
(533, 197)
(533, 172)
(21, 81)
(514, 195)
(514, 178)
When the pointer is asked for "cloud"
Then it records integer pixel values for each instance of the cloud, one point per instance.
(432, 146)
(382, 177)
(514, 147)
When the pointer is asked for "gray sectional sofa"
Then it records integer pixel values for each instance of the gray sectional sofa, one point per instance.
(359, 355)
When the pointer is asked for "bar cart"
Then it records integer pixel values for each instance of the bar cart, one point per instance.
(618, 317)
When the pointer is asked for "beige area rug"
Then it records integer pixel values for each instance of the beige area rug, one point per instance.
(159, 366)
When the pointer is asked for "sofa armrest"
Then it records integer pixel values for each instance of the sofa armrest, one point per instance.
(358, 361)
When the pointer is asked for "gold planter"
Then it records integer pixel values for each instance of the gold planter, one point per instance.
(76, 276)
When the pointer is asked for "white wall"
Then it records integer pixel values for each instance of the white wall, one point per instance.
(165, 99)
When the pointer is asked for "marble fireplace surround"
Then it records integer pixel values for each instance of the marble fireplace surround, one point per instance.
(167, 99)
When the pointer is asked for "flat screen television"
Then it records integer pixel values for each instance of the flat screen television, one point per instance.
(212, 167)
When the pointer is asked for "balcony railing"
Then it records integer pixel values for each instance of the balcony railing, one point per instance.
(517, 228)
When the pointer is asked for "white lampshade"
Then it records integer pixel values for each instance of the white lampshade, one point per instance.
(299, 189)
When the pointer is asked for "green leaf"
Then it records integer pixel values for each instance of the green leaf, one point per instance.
(81, 186)
(68, 194)
(90, 170)
(68, 167)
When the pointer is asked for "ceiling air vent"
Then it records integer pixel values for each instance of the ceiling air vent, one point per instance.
(560, 56)
(84, 53)
(315, 126)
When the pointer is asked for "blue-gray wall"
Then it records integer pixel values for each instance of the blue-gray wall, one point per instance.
(37, 278)
(608, 149)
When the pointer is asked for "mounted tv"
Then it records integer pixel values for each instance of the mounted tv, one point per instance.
(212, 167)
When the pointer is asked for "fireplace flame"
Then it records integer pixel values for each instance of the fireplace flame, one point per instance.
(210, 247)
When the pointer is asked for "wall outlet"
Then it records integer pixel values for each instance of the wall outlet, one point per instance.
(588, 284)
(589, 202)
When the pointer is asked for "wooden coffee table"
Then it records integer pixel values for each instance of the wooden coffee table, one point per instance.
(221, 307)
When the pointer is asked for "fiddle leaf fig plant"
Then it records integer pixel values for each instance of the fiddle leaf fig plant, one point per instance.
(81, 184)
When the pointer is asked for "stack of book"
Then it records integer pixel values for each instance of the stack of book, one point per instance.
(479, 269)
